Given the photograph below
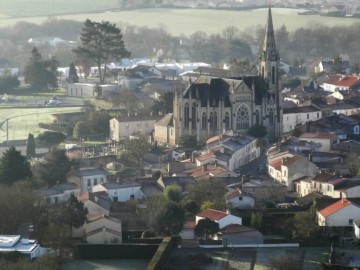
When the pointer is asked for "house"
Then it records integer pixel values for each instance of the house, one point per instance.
(222, 218)
(87, 90)
(181, 181)
(233, 150)
(308, 185)
(326, 139)
(97, 203)
(208, 171)
(123, 126)
(103, 230)
(156, 156)
(342, 188)
(121, 191)
(236, 199)
(177, 154)
(344, 83)
(60, 192)
(235, 234)
(328, 66)
(164, 129)
(88, 177)
(298, 116)
(340, 214)
(11, 243)
(187, 233)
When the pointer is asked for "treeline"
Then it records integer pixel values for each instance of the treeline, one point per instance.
(295, 47)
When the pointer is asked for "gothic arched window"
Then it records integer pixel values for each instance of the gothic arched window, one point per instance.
(243, 117)
(193, 116)
(186, 115)
(227, 120)
(211, 120)
(204, 121)
(271, 117)
(273, 75)
(257, 118)
(215, 120)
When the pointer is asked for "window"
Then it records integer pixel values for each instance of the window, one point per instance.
(243, 118)
(271, 117)
(203, 121)
(215, 120)
(211, 120)
(186, 115)
(227, 120)
(351, 221)
(89, 182)
(308, 116)
(56, 200)
(240, 198)
(193, 116)
(317, 115)
(95, 181)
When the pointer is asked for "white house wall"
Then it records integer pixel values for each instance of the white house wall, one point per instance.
(343, 217)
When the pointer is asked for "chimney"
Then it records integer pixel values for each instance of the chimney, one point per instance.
(204, 167)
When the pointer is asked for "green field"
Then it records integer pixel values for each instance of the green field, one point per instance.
(176, 21)
(25, 120)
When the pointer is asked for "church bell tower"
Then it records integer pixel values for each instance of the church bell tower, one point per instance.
(269, 57)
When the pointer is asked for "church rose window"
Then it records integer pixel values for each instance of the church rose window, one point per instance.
(243, 118)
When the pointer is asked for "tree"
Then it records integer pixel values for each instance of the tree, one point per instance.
(203, 191)
(188, 141)
(306, 223)
(8, 82)
(50, 139)
(173, 193)
(76, 212)
(207, 205)
(41, 73)
(55, 167)
(137, 148)
(191, 206)
(164, 104)
(206, 227)
(99, 122)
(169, 220)
(101, 42)
(73, 76)
(256, 220)
(30, 146)
(14, 167)
(81, 130)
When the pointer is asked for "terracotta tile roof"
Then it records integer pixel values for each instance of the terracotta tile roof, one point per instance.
(331, 209)
(190, 224)
(318, 136)
(276, 164)
(205, 156)
(211, 170)
(215, 138)
(212, 214)
(291, 160)
(343, 80)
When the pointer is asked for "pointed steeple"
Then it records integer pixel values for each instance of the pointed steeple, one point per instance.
(269, 51)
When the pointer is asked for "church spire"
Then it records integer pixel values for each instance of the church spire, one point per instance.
(269, 56)
(269, 51)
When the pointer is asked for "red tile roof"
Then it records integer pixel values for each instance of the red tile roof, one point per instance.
(343, 80)
(205, 156)
(214, 139)
(318, 136)
(331, 209)
(276, 164)
(212, 214)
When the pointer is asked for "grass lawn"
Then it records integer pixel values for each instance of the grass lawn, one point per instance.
(105, 265)
(187, 21)
(25, 120)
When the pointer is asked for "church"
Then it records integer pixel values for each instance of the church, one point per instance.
(211, 105)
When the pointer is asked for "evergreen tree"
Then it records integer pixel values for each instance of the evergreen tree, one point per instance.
(13, 167)
(101, 42)
(73, 76)
(80, 130)
(50, 139)
(55, 167)
(76, 212)
(30, 146)
(206, 227)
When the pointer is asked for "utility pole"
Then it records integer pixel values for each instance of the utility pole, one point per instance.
(7, 131)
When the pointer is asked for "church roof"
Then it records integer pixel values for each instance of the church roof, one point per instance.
(166, 121)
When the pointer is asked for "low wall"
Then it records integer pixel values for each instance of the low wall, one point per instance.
(253, 245)
(159, 259)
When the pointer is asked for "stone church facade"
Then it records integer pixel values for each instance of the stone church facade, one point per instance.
(211, 105)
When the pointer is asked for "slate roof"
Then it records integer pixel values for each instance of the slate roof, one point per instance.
(166, 121)
(92, 171)
(59, 189)
(304, 109)
(236, 228)
(120, 185)
(212, 90)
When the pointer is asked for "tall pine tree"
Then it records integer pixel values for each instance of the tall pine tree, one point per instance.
(14, 167)
(73, 76)
(30, 146)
